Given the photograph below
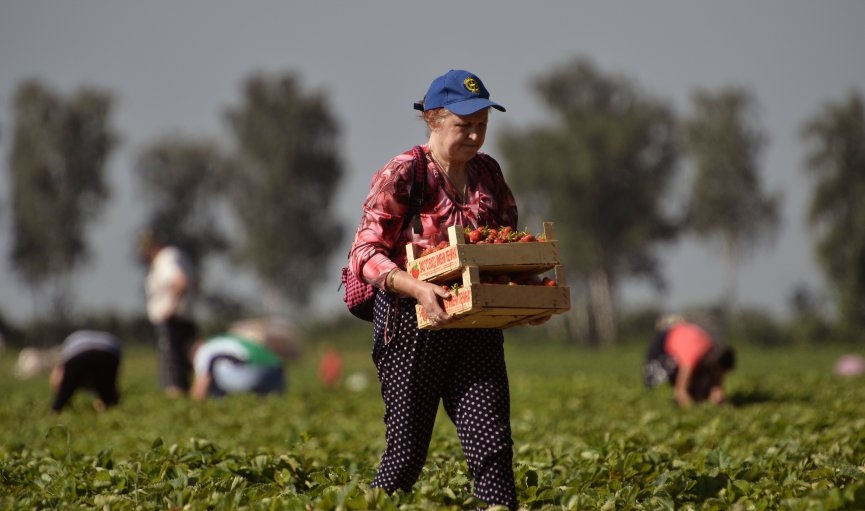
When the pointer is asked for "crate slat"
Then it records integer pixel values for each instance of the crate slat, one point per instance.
(477, 305)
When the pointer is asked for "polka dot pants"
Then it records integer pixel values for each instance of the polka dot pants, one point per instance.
(462, 368)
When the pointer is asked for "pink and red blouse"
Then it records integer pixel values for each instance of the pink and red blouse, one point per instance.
(379, 244)
(687, 344)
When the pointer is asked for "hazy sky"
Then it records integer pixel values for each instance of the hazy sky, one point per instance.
(176, 66)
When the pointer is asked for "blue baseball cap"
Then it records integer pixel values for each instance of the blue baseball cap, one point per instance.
(459, 91)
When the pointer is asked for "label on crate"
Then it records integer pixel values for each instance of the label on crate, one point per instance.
(514, 257)
(498, 306)
(459, 302)
(436, 263)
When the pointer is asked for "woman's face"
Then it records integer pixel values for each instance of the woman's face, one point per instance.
(461, 137)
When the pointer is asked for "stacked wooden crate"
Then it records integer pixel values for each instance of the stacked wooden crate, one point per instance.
(478, 303)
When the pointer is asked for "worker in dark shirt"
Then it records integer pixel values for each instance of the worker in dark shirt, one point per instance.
(89, 360)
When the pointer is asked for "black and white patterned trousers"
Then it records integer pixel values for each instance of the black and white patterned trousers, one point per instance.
(465, 370)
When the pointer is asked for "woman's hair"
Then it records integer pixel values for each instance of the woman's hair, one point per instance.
(722, 356)
(434, 117)
(668, 321)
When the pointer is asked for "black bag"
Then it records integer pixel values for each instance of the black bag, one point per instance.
(360, 296)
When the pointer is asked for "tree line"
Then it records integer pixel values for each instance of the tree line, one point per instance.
(619, 170)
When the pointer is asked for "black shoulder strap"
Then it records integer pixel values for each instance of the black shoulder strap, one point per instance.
(417, 191)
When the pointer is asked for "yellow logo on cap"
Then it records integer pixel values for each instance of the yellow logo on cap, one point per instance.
(472, 85)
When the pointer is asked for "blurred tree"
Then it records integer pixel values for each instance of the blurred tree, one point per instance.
(182, 180)
(57, 163)
(602, 169)
(723, 138)
(836, 163)
(283, 185)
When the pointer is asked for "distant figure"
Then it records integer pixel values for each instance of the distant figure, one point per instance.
(171, 288)
(330, 369)
(231, 364)
(357, 381)
(89, 360)
(686, 356)
(850, 364)
(34, 361)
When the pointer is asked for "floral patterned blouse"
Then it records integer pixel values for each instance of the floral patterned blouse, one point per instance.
(379, 244)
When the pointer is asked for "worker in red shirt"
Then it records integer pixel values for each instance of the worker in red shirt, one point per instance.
(685, 355)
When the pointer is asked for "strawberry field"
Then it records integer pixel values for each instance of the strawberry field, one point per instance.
(587, 436)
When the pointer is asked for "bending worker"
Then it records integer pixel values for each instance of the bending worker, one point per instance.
(89, 360)
(231, 364)
(686, 356)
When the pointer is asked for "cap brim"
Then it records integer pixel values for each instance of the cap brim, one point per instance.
(471, 106)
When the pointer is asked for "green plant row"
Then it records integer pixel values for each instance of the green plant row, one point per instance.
(587, 436)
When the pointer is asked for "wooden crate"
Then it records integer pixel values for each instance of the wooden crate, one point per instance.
(478, 305)
(447, 264)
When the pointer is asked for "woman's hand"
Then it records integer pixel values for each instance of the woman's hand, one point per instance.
(427, 294)
(430, 297)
